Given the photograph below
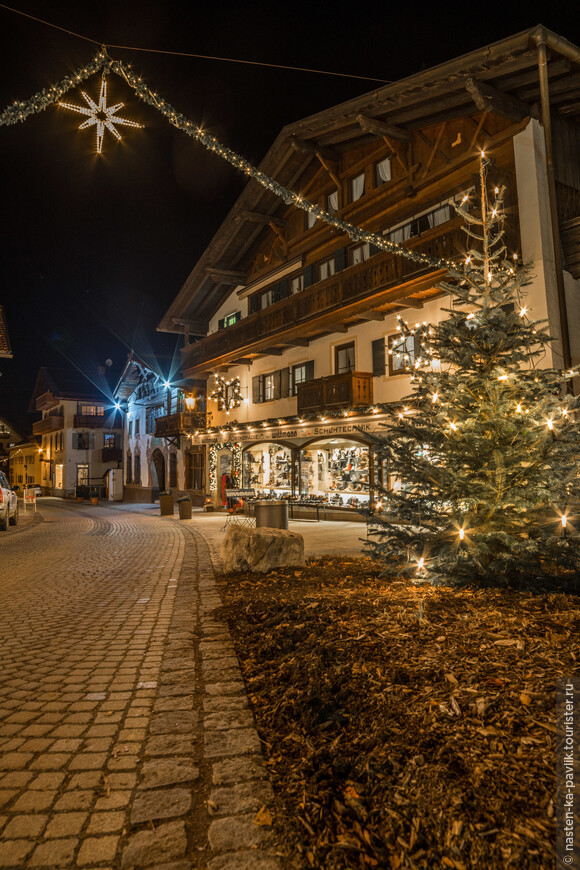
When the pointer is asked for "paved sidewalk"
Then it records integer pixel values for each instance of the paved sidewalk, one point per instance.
(126, 738)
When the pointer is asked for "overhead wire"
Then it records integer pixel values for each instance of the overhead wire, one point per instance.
(103, 44)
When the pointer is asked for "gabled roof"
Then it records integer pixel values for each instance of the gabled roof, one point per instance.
(5, 349)
(69, 384)
(503, 76)
(133, 372)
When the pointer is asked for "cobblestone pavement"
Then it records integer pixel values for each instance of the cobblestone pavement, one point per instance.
(126, 739)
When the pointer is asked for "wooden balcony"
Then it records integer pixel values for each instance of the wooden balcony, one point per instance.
(382, 282)
(348, 390)
(92, 421)
(50, 424)
(183, 423)
(111, 454)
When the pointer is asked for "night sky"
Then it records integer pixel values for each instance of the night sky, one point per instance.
(94, 249)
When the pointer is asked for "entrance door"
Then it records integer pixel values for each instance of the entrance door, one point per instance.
(157, 474)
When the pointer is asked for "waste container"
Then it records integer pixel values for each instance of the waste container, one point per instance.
(271, 514)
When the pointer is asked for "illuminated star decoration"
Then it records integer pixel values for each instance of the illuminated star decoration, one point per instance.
(101, 115)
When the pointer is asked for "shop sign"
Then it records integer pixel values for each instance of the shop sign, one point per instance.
(240, 493)
(310, 430)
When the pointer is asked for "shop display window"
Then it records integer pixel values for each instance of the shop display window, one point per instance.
(268, 469)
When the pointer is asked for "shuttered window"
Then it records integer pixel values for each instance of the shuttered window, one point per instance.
(379, 357)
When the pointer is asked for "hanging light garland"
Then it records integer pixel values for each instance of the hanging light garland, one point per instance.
(20, 111)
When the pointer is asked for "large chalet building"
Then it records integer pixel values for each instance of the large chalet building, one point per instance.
(294, 327)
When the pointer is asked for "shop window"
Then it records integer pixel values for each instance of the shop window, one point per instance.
(268, 468)
(356, 187)
(344, 358)
(401, 354)
(173, 470)
(382, 171)
(82, 475)
(302, 373)
(129, 475)
(137, 479)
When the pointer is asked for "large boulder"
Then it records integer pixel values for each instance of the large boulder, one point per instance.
(260, 550)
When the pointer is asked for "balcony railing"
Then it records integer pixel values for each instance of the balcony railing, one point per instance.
(50, 424)
(382, 272)
(92, 421)
(179, 424)
(111, 454)
(348, 390)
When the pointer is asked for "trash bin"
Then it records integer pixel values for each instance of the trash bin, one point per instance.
(271, 514)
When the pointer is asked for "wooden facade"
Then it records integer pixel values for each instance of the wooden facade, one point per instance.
(278, 291)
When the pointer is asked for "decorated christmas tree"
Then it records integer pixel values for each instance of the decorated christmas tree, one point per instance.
(482, 458)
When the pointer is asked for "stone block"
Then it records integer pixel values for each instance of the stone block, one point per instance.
(166, 843)
(168, 771)
(260, 550)
(150, 806)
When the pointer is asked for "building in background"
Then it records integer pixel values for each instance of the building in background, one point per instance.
(296, 325)
(157, 415)
(80, 434)
(25, 465)
(8, 438)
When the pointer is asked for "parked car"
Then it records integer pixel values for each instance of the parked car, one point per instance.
(8, 504)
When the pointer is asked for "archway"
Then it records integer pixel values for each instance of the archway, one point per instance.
(157, 468)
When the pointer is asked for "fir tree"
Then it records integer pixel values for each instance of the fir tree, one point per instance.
(484, 453)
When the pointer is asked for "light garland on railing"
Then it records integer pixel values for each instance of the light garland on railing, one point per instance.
(20, 111)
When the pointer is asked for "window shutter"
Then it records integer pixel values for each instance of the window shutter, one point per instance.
(378, 357)
(221, 323)
(373, 250)
(258, 389)
(254, 303)
(284, 383)
(309, 275)
(75, 440)
(278, 384)
(238, 316)
(340, 260)
(310, 370)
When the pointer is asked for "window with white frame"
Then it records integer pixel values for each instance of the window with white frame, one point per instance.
(269, 387)
(402, 351)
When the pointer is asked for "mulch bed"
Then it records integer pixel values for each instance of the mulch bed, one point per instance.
(404, 726)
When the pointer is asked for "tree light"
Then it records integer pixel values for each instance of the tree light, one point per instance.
(461, 534)
(564, 521)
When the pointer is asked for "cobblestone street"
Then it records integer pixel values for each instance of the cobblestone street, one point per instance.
(126, 738)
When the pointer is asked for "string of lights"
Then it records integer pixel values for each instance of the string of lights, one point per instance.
(21, 110)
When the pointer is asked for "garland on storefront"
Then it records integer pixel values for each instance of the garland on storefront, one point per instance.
(214, 448)
(21, 110)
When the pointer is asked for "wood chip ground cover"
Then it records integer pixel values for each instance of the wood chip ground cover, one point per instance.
(404, 726)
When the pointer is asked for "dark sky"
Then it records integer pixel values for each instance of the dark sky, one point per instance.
(94, 249)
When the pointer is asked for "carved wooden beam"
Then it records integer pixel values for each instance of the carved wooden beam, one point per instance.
(298, 342)
(371, 315)
(272, 351)
(478, 130)
(225, 276)
(435, 149)
(312, 148)
(330, 171)
(244, 361)
(409, 302)
(489, 99)
(192, 327)
(337, 327)
(275, 229)
(258, 218)
(379, 128)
